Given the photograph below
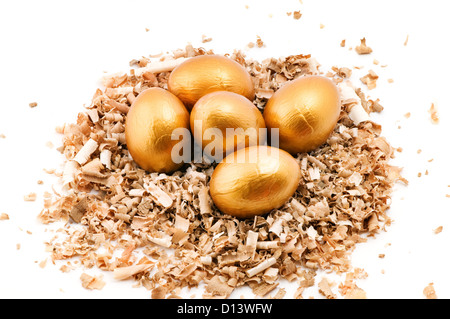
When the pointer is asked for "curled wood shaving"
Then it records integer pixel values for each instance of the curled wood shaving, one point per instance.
(363, 48)
(86, 151)
(159, 293)
(295, 14)
(370, 79)
(429, 291)
(352, 101)
(259, 42)
(344, 194)
(262, 266)
(31, 197)
(355, 293)
(280, 294)
(270, 275)
(162, 197)
(105, 158)
(206, 39)
(126, 272)
(325, 289)
(121, 107)
(77, 212)
(160, 66)
(433, 114)
(218, 287)
(261, 289)
(92, 282)
(349, 289)
(406, 40)
(93, 168)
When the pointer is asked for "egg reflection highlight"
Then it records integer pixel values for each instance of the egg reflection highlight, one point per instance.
(305, 111)
(151, 120)
(204, 74)
(254, 180)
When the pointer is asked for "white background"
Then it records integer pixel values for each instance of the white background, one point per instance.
(54, 53)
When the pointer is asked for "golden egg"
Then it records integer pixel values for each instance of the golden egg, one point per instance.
(254, 180)
(204, 74)
(305, 111)
(223, 122)
(151, 120)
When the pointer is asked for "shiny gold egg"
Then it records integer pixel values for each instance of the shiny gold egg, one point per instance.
(204, 74)
(223, 122)
(254, 180)
(151, 120)
(305, 111)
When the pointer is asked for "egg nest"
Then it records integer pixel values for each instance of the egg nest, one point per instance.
(164, 231)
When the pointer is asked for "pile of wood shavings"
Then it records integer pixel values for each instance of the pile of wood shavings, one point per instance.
(164, 231)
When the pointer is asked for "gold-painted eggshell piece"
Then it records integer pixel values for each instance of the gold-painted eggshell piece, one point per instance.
(224, 122)
(151, 120)
(204, 74)
(253, 181)
(306, 111)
